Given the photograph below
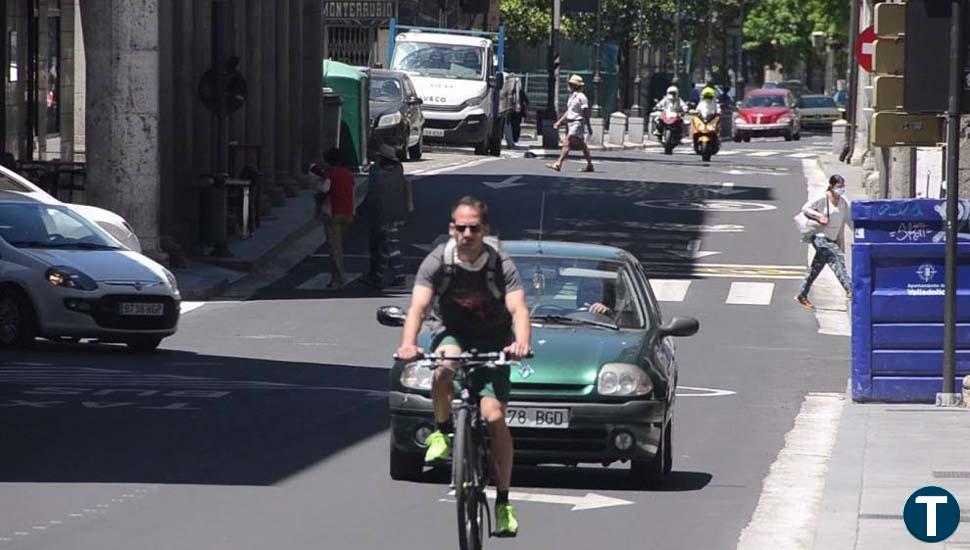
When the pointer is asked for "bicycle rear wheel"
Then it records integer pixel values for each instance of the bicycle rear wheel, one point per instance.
(466, 477)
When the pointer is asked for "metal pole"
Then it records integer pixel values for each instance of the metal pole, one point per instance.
(596, 110)
(947, 397)
(677, 46)
(220, 19)
(912, 172)
(553, 79)
(852, 83)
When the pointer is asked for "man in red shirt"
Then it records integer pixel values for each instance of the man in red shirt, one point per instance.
(337, 185)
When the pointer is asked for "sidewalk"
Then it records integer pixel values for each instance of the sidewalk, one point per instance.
(883, 453)
(207, 277)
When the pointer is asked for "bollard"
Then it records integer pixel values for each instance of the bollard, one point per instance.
(838, 136)
(966, 391)
(636, 131)
(617, 128)
(596, 131)
(217, 217)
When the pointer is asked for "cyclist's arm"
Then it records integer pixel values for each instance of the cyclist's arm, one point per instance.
(521, 325)
(421, 298)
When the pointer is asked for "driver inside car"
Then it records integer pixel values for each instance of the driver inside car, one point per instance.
(596, 296)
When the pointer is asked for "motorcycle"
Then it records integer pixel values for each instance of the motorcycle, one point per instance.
(669, 128)
(706, 130)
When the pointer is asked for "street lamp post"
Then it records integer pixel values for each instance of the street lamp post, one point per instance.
(635, 108)
(596, 110)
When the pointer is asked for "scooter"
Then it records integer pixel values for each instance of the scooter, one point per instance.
(705, 130)
(669, 129)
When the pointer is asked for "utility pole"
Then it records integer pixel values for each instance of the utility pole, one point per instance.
(677, 47)
(550, 137)
(947, 397)
(635, 108)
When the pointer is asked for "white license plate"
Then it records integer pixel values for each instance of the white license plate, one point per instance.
(434, 132)
(535, 417)
(137, 308)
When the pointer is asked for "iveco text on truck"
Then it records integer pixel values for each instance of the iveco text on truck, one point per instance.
(458, 75)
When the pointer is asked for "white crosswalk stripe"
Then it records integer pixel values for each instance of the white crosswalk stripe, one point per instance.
(763, 153)
(186, 307)
(802, 155)
(670, 290)
(752, 294)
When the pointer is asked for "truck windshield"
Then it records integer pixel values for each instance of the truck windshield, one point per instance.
(439, 60)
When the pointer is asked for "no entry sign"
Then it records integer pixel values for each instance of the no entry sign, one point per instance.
(864, 46)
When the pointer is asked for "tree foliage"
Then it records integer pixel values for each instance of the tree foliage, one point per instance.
(780, 30)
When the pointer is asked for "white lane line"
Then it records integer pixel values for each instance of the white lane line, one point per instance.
(670, 290)
(186, 307)
(751, 294)
(451, 167)
(791, 495)
(727, 184)
(802, 155)
(728, 153)
(763, 154)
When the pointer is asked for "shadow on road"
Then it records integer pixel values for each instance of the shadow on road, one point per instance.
(89, 413)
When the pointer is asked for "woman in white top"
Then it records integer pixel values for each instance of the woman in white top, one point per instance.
(829, 212)
(576, 115)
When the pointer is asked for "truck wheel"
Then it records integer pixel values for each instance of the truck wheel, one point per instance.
(17, 325)
(405, 466)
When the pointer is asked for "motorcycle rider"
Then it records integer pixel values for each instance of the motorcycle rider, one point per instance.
(708, 104)
(671, 100)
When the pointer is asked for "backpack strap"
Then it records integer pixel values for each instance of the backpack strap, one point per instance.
(494, 276)
(447, 271)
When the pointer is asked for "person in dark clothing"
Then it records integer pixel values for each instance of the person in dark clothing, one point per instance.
(520, 105)
(386, 208)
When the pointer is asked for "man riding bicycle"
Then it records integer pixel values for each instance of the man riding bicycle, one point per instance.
(481, 303)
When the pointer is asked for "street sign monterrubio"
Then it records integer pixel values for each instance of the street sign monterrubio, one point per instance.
(358, 11)
(865, 45)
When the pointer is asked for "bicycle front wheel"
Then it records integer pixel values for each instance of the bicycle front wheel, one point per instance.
(467, 478)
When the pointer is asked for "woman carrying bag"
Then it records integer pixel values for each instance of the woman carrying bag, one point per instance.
(821, 223)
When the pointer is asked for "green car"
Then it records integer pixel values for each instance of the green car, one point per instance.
(601, 385)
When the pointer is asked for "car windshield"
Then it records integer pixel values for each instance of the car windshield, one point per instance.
(764, 101)
(564, 290)
(440, 60)
(810, 102)
(36, 225)
(385, 89)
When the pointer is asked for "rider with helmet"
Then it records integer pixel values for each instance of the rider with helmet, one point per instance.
(708, 107)
(671, 100)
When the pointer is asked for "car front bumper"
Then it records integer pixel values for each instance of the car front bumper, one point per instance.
(778, 128)
(97, 315)
(468, 130)
(589, 438)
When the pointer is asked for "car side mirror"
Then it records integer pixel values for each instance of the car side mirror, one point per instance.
(680, 326)
(415, 101)
(391, 316)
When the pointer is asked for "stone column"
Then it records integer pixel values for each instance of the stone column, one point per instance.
(312, 56)
(294, 154)
(281, 129)
(267, 28)
(121, 44)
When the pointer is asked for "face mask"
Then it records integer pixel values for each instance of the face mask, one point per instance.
(840, 191)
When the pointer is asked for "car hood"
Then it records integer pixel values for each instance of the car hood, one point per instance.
(103, 265)
(766, 112)
(832, 111)
(444, 92)
(378, 108)
(573, 355)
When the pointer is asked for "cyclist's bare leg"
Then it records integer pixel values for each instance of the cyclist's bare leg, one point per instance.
(494, 413)
(443, 388)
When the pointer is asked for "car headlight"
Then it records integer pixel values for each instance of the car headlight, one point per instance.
(416, 376)
(172, 281)
(738, 120)
(68, 277)
(784, 120)
(475, 101)
(387, 121)
(623, 379)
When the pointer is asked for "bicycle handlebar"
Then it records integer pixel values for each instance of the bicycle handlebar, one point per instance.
(497, 358)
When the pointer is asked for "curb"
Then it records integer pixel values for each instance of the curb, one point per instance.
(265, 257)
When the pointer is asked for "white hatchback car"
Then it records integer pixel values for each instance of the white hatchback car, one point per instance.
(62, 276)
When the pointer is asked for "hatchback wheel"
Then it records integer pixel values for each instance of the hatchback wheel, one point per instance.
(16, 320)
(144, 343)
(649, 474)
(405, 466)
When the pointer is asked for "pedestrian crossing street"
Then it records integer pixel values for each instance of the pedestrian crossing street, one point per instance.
(804, 153)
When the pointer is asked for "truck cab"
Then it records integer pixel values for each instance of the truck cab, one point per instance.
(459, 80)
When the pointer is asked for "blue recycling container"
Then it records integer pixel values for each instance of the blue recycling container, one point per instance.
(898, 299)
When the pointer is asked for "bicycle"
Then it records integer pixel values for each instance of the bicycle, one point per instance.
(470, 472)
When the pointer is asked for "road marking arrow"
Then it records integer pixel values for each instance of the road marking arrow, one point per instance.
(511, 181)
(590, 501)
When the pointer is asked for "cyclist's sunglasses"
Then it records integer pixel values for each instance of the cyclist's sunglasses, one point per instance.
(477, 228)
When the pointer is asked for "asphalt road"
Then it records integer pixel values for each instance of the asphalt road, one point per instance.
(263, 423)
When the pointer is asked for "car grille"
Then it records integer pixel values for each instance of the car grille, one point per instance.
(523, 390)
(441, 124)
(568, 440)
(105, 313)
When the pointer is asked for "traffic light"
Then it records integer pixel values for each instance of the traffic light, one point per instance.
(927, 23)
(893, 125)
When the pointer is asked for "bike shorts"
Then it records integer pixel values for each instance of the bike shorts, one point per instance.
(493, 382)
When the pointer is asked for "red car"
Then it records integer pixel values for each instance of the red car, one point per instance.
(767, 112)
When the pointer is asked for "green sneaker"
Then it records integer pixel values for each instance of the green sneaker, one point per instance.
(505, 522)
(439, 448)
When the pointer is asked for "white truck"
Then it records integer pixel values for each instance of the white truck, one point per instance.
(459, 77)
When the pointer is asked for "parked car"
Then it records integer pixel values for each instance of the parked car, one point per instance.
(115, 225)
(600, 388)
(818, 111)
(62, 276)
(767, 112)
(797, 88)
(395, 111)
